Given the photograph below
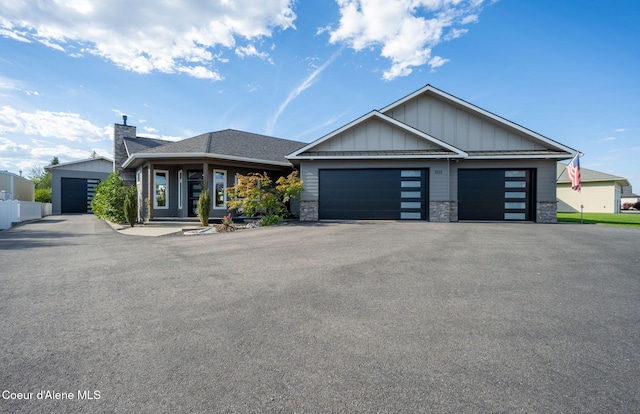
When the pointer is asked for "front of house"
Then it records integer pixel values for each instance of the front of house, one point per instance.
(171, 174)
(430, 156)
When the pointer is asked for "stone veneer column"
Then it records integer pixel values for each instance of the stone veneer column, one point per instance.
(308, 210)
(546, 212)
(443, 211)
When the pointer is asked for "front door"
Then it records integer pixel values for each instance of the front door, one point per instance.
(194, 188)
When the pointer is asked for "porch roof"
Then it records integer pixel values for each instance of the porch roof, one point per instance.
(229, 144)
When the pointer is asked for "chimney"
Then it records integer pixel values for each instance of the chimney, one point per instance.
(120, 154)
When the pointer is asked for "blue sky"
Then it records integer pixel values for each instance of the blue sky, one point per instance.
(300, 69)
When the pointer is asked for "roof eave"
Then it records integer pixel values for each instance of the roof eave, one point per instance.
(182, 156)
(520, 157)
(384, 118)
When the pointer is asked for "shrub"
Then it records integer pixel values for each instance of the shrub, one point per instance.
(131, 205)
(108, 202)
(204, 205)
(269, 220)
(637, 205)
(255, 193)
(43, 195)
(227, 224)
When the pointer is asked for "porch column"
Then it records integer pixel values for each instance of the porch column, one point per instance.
(205, 183)
(150, 192)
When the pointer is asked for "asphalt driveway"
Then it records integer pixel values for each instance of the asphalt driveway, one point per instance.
(349, 317)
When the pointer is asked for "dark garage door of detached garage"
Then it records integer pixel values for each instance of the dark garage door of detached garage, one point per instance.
(373, 194)
(77, 194)
(495, 195)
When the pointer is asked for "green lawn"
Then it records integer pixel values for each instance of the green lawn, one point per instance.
(621, 219)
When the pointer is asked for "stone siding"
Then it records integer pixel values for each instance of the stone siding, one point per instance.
(120, 132)
(546, 212)
(308, 211)
(443, 211)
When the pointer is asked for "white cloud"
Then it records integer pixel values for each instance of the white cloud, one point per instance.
(405, 30)
(146, 36)
(244, 51)
(46, 124)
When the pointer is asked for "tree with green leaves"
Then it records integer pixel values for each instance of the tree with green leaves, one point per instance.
(255, 194)
(108, 202)
(42, 180)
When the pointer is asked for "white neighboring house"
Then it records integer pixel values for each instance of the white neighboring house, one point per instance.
(15, 187)
(600, 192)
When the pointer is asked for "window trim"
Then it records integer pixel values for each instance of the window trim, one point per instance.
(224, 190)
(179, 189)
(155, 190)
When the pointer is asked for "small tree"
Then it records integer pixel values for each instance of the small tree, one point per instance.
(108, 202)
(131, 205)
(43, 195)
(255, 193)
(204, 206)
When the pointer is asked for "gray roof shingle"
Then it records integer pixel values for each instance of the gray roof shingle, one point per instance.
(230, 142)
(586, 175)
(140, 144)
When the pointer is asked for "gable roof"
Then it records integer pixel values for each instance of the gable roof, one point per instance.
(429, 89)
(514, 141)
(92, 163)
(228, 144)
(435, 148)
(587, 175)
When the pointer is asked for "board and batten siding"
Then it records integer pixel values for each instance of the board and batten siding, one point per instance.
(458, 127)
(372, 135)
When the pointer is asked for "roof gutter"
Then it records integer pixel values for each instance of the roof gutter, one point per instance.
(144, 156)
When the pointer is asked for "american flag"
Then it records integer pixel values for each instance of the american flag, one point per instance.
(573, 170)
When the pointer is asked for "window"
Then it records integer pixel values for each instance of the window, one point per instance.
(180, 189)
(410, 184)
(161, 185)
(219, 189)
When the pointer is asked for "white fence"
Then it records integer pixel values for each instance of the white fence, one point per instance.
(15, 211)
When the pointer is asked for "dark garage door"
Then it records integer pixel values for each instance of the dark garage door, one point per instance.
(373, 194)
(495, 195)
(76, 195)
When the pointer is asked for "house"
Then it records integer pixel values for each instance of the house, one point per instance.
(628, 197)
(600, 192)
(73, 184)
(430, 156)
(170, 174)
(16, 187)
